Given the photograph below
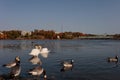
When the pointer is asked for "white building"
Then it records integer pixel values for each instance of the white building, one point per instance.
(23, 33)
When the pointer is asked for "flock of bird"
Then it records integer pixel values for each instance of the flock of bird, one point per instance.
(15, 67)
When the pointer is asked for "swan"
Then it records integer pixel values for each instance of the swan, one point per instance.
(39, 50)
(13, 63)
(113, 59)
(43, 50)
(35, 60)
(35, 51)
(37, 71)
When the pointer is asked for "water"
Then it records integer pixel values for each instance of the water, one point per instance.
(89, 58)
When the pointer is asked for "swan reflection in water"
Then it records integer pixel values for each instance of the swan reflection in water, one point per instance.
(45, 55)
(35, 60)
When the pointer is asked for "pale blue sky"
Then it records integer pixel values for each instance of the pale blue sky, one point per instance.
(87, 16)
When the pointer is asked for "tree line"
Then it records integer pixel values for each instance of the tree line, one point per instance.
(43, 34)
(39, 34)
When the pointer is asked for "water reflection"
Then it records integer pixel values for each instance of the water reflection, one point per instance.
(35, 60)
(90, 60)
(63, 69)
(45, 55)
(16, 44)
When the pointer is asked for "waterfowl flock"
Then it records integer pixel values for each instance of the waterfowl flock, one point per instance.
(38, 70)
(15, 66)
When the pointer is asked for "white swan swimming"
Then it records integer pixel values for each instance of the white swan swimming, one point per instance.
(35, 51)
(43, 50)
(39, 50)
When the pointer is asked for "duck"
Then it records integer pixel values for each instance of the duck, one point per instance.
(13, 63)
(68, 63)
(37, 71)
(35, 60)
(113, 59)
(15, 71)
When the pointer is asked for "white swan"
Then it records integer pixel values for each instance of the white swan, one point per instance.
(35, 51)
(39, 50)
(43, 50)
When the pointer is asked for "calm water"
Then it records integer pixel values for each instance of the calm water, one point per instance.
(89, 56)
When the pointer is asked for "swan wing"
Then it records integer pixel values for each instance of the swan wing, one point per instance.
(34, 52)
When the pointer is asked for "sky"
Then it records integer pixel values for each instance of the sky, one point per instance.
(86, 16)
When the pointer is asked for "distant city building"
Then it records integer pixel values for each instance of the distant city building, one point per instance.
(23, 33)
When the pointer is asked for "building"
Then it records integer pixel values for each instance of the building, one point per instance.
(23, 33)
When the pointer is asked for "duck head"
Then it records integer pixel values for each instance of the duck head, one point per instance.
(17, 59)
(72, 61)
(116, 57)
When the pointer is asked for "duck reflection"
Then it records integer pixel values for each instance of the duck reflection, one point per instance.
(35, 60)
(63, 69)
